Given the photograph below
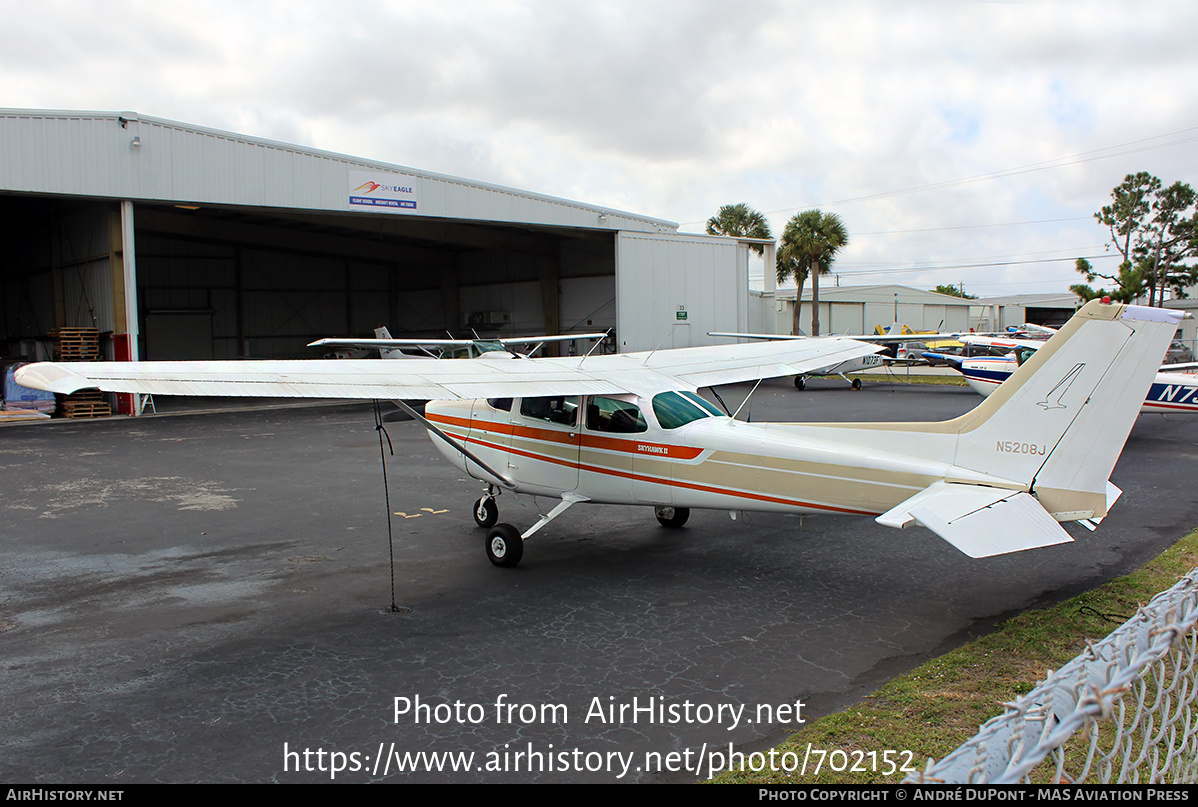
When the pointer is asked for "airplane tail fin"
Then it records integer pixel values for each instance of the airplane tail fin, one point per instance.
(1049, 436)
(1060, 421)
(382, 333)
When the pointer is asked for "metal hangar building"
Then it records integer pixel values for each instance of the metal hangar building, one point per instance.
(180, 242)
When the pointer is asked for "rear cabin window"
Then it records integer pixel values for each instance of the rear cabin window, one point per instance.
(615, 416)
(674, 409)
(554, 409)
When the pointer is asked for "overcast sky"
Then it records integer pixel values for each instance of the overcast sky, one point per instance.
(947, 135)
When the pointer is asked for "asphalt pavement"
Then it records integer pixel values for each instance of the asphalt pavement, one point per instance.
(206, 598)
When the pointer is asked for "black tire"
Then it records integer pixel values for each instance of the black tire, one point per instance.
(489, 512)
(504, 545)
(672, 517)
(800, 383)
(856, 383)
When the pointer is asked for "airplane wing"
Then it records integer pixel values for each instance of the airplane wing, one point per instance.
(948, 359)
(561, 337)
(1183, 367)
(432, 379)
(1001, 342)
(385, 343)
(416, 342)
(886, 337)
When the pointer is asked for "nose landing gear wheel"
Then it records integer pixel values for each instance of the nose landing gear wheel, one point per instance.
(486, 512)
(504, 545)
(672, 516)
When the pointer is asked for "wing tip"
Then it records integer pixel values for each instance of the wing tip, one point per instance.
(51, 377)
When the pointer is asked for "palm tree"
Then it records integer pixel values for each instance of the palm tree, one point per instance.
(810, 242)
(740, 221)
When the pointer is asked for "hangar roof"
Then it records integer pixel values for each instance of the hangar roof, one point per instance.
(876, 294)
(1066, 300)
(124, 155)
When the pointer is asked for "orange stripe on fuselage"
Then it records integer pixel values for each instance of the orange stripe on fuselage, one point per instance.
(614, 444)
(586, 440)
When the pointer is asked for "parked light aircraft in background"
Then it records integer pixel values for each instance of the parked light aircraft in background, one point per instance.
(1174, 390)
(869, 361)
(631, 429)
(497, 348)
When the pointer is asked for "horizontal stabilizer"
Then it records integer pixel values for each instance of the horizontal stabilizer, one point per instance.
(978, 520)
(1112, 495)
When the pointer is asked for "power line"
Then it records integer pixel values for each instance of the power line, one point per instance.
(1055, 254)
(1190, 135)
(988, 265)
(974, 226)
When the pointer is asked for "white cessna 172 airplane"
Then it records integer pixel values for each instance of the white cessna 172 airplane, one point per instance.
(630, 429)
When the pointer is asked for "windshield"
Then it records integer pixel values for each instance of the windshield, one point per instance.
(674, 409)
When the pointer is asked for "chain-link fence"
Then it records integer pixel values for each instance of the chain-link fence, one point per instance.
(1122, 711)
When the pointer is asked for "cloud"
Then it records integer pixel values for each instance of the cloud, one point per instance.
(673, 108)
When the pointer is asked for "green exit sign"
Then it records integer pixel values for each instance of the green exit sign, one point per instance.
(680, 316)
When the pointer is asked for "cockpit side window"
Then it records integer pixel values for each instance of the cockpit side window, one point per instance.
(554, 409)
(672, 410)
(615, 416)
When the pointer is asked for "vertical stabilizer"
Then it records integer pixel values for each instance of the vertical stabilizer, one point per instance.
(1058, 424)
(1048, 437)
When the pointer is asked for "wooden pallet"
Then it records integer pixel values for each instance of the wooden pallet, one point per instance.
(76, 344)
(88, 403)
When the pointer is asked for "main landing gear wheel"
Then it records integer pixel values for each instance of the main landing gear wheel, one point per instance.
(800, 383)
(856, 383)
(672, 516)
(486, 512)
(504, 545)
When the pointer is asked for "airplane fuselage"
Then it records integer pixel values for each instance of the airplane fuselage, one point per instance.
(856, 365)
(711, 462)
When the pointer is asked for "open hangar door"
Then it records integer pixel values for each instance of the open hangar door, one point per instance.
(226, 282)
(62, 267)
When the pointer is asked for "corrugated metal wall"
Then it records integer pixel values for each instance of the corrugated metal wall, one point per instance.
(127, 156)
(659, 276)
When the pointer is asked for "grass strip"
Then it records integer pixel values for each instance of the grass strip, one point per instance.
(939, 705)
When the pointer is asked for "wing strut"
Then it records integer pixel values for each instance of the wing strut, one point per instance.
(465, 452)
